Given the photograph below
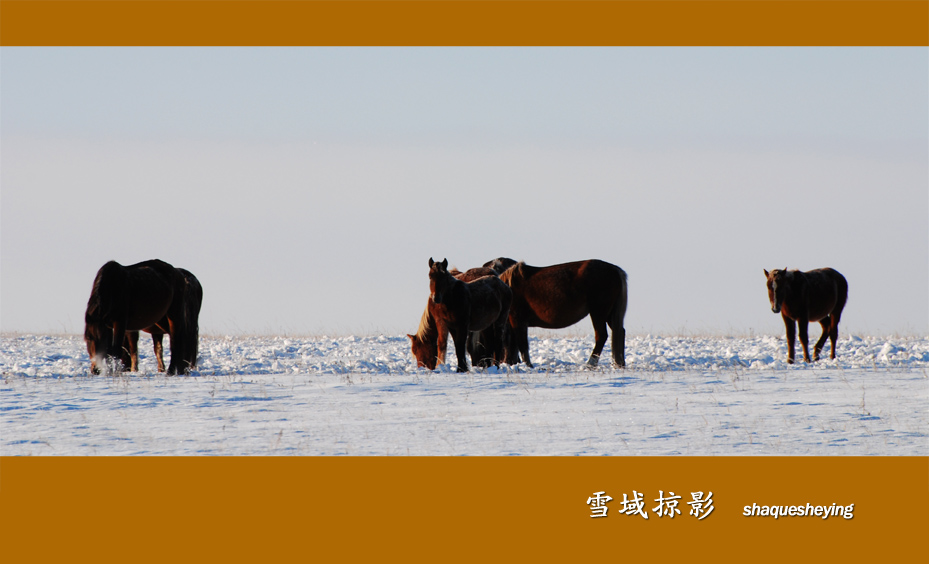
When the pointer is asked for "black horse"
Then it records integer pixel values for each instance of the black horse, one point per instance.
(801, 297)
(149, 296)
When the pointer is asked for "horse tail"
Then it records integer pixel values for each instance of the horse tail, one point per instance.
(619, 307)
(841, 292)
(193, 299)
(616, 319)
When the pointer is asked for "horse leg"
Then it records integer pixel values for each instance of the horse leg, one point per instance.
(522, 342)
(600, 335)
(157, 339)
(510, 349)
(804, 338)
(497, 340)
(825, 323)
(618, 342)
(834, 330)
(441, 343)
(133, 338)
(130, 347)
(117, 345)
(791, 335)
(460, 337)
(176, 329)
(477, 349)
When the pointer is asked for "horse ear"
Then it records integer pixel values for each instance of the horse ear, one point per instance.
(766, 273)
(445, 264)
(412, 337)
(431, 262)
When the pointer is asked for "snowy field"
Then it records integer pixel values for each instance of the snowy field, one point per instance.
(365, 396)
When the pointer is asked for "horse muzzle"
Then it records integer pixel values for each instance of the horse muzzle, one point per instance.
(97, 364)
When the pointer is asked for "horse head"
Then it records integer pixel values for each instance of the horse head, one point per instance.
(778, 287)
(426, 351)
(100, 347)
(439, 280)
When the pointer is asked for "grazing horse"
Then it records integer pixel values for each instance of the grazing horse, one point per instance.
(149, 296)
(557, 296)
(801, 297)
(473, 302)
(130, 353)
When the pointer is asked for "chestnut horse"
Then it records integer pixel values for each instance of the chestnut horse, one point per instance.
(463, 304)
(150, 296)
(801, 297)
(557, 296)
(130, 353)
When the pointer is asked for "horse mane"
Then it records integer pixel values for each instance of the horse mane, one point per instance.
(95, 303)
(425, 324)
(507, 275)
(521, 268)
(104, 292)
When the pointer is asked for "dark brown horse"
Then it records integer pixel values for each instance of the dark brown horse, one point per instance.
(130, 353)
(463, 308)
(557, 296)
(801, 297)
(480, 344)
(149, 296)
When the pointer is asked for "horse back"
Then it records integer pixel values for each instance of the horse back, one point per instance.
(151, 290)
(490, 298)
(826, 292)
(473, 274)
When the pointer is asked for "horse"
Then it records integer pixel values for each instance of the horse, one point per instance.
(130, 353)
(801, 297)
(150, 295)
(554, 297)
(480, 344)
(462, 308)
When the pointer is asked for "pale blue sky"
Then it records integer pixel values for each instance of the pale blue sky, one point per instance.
(307, 188)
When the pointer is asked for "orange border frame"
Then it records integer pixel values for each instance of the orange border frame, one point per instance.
(464, 22)
(454, 509)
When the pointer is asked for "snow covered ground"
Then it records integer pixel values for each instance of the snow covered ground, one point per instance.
(365, 396)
